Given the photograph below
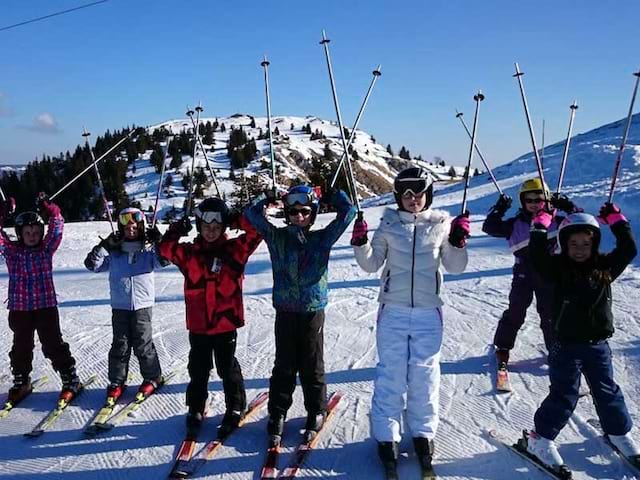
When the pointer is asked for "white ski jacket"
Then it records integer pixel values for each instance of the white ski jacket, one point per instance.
(412, 248)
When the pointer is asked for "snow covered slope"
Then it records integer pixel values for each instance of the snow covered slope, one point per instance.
(144, 445)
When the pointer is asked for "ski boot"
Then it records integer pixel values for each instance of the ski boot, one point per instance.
(114, 392)
(388, 453)
(71, 385)
(315, 422)
(20, 389)
(230, 422)
(148, 387)
(545, 452)
(424, 449)
(194, 423)
(625, 445)
(275, 429)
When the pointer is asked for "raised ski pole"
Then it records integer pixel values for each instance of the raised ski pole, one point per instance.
(86, 135)
(478, 98)
(573, 107)
(2, 195)
(325, 43)
(542, 148)
(95, 162)
(165, 149)
(616, 167)
(265, 65)
(198, 142)
(484, 162)
(376, 73)
(518, 76)
(193, 166)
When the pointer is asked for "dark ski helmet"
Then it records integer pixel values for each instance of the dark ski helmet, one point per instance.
(303, 195)
(414, 180)
(533, 185)
(131, 214)
(28, 218)
(211, 210)
(579, 222)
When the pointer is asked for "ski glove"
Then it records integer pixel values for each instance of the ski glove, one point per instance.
(562, 202)
(7, 208)
(45, 206)
(182, 227)
(153, 235)
(359, 235)
(610, 214)
(502, 205)
(272, 196)
(460, 230)
(542, 219)
(111, 243)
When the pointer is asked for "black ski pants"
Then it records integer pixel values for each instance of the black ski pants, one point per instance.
(223, 347)
(299, 349)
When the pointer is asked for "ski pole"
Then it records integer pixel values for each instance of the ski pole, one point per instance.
(198, 142)
(165, 149)
(542, 148)
(565, 153)
(478, 98)
(616, 167)
(193, 165)
(519, 75)
(265, 65)
(484, 162)
(70, 182)
(2, 195)
(325, 43)
(103, 194)
(376, 73)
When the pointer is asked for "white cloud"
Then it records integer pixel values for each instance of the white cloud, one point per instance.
(43, 123)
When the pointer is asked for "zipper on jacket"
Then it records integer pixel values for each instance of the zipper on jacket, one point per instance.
(437, 283)
(413, 260)
(561, 314)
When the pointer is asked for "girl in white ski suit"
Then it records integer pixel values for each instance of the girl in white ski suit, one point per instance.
(413, 249)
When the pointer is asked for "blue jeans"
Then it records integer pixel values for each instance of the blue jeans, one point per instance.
(566, 361)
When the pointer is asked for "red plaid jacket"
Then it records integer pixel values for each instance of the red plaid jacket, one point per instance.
(30, 269)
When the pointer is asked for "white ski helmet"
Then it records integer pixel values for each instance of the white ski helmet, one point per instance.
(579, 222)
(413, 180)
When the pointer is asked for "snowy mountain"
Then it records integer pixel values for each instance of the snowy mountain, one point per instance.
(145, 444)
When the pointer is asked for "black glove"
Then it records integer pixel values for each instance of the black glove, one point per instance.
(153, 234)
(502, 205)
(562, 202)
(7, 208)
(272, 196)
(182, 227)
(112, 242)
(234, 219)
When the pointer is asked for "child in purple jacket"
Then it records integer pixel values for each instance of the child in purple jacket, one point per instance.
(32, 298)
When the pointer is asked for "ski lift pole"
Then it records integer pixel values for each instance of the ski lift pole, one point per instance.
(478, 98)
(103, 194)
(376, 73)
(484, 162)
(198, 142)
(265, 65)
(573, 107)
(165, 149)
(616, 167)
(518, 76)
(325, 43)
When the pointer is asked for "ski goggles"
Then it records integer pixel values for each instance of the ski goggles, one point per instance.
(411, 187)
(28, 218)
(209, 217)
(130, 215)
(300, 198)
(533, 200)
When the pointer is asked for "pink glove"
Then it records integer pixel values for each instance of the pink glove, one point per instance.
(610, 214)
(359, 235)
(543, 218)
(460, 230)
(46, 206)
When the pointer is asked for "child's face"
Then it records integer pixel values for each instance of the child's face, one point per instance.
(579, 246)
(211, 231)
(414, 203)
(533, 202)
(300, 216)
(31, 235)
(131, 231)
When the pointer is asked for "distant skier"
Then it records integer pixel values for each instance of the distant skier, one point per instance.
(413, 243)
(581, 280)
(300, 258)
(130, 263)
(213, 268)
(525, 280)
(32, 297)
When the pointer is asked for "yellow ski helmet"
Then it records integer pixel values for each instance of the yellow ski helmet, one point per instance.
(533, 185)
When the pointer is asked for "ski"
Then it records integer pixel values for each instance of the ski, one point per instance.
(54, 414)
(521, 450)
(633, 461)
(9, 405)
(270, 466)
(130, 407)
(309, 442)
(503, 384)
(101, 416)
(185, 466)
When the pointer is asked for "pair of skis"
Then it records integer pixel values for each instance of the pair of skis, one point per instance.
(186, 465)
(270, 467)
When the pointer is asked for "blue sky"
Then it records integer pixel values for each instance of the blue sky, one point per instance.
(135, 61)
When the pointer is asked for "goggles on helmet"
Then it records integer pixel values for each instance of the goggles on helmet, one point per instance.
(410, 186)
(298, 197)
(128, 216)
(28, 218)
(209, 216)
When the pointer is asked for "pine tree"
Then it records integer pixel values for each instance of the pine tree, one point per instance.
(276, 132)
(253, 123)
(390, 150)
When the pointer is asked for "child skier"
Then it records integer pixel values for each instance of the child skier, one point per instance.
(526, 282)
(413, 243)
(213, 268)
(581, 279)
(130, 263)
(32, 298)
(300, 258)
